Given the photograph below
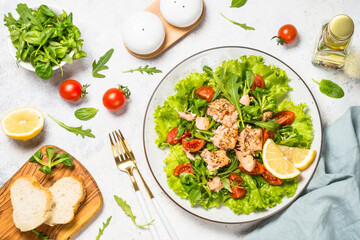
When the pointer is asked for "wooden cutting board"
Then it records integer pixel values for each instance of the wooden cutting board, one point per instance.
(172, 33)
(86, 211)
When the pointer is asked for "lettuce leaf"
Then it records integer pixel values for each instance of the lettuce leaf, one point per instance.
(302, 122)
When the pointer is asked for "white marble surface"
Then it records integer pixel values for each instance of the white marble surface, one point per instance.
(100, 24)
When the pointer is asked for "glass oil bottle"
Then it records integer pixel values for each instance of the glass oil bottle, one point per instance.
(333, 44)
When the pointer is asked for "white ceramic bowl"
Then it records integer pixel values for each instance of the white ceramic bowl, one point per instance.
(213, 58)
(12, 48)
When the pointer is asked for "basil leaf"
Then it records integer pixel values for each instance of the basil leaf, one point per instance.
(85, 113)
(237, 3)
(330, 88)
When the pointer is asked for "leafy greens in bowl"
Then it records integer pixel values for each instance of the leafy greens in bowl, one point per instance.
(44, 39)
(229, 81)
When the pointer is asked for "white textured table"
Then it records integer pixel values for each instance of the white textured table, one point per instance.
(100, 25)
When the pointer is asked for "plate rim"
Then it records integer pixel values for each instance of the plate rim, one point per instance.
(223, 222)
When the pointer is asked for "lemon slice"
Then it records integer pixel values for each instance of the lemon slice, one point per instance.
(22, 123)
(276, 163)
(301, 158)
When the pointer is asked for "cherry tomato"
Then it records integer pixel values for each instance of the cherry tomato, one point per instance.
(183, 167)
(258, 169)
(271, 178)
(205, 92)
(267, 134)
(172, 139)
(72, 90)
(258, 82)
(193, 145)
(238, 190)
(284, 117)
(287, 34)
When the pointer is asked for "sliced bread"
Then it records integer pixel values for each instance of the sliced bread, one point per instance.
(68, 193)
(31, 203)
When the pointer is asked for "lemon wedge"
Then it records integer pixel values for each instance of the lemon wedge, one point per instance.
(276, 163)
(301, 158)
(22, 123)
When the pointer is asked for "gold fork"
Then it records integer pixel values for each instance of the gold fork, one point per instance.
(127, 163)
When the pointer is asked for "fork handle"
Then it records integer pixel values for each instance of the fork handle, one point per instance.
(164, 220)
(153, 231)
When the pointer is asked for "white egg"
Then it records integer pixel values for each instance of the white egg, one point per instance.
(143, 33)
(181, 13)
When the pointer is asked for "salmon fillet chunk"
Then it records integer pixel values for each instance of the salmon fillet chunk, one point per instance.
(215, 159)
(224, 137)
(250, 140)
(223, 112)
(215, 184)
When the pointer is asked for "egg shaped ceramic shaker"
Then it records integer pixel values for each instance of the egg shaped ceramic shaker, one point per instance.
(143, 33)
(181, 13)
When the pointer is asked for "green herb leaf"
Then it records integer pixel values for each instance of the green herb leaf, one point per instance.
(101, 230)
(243, 25)
(100, 65)
(63, 158)
(45, 169)
(75, 130)
(85, 113)
(127, 209)
(41, 236)
(269, 125)
(238, 3)
(50, 152)
(330, 88)
(145, 69)
(37, 156)
(125, 90)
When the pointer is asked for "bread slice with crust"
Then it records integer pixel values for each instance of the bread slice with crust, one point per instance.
(68, 193)
(31, 203)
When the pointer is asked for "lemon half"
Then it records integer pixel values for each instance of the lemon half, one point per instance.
(22, 123)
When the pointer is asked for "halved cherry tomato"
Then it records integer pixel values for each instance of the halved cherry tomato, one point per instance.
(271, 178)
(238, 190)
(183, 167)
(205, 92)
(172, 139)
(258, 169)
(258, 82)
(267, 134)
(284, 117)
(193, 145)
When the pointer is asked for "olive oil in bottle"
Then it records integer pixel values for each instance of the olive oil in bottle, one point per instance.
(333, 44)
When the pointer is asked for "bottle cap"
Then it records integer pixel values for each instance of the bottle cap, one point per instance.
(341, 27)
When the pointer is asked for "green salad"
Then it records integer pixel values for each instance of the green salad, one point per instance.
(203, 165)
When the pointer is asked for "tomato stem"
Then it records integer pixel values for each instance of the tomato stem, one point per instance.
(279, 40)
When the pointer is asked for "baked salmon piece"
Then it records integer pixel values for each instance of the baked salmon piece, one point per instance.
(223, 112)
(215, 159)
(225, 137)
(215, 184)
(202, 123)
(187, 116)
(246, 160)
(250, 140)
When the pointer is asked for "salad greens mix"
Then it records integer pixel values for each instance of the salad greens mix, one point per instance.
(44, 38)
(231, 80)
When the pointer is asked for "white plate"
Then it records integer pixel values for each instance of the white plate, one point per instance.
(12, 48)
(213, 58)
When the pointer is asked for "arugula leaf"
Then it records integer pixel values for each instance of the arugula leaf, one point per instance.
(330, 88)
(145, 69)
(62, 158)
(127, 209)
(243, 25)
(75, 130)
(269, 125)
(41, 236)
(100, 65)
(101, 230)
(237, 3)
(85, 113)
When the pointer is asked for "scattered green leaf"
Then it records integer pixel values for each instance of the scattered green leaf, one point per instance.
(41, 236)
(101, 230)
(85, 113)
(53, 159)
(145, 69)
(75, 130)
(330, 88)
(127, 209)
(100, 65)
(243, 25)
(237, 3)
